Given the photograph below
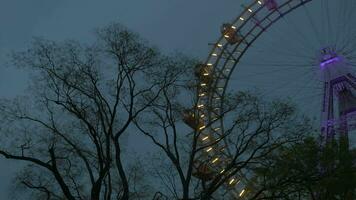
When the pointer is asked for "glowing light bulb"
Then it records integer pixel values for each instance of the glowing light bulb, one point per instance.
(231, 181)
(242, 193)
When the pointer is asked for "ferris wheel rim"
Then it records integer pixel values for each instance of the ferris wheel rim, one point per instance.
(221, 43)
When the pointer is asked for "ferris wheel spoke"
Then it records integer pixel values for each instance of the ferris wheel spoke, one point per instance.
(269, 70)
(295, 40)
(328, 23)
(285, 58)
(349, 14)
(343, 12)
(273, 50)
(310, 102)
(286, 84)
(278, 65)
(322, 23)
(313, 25)
(350, 45)
(303, 40)
(291, 38)
(301, 89)
(281, 63)
(336, 18)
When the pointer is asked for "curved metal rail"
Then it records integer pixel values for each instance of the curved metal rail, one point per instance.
(214, 76)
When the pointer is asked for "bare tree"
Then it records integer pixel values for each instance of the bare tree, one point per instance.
(253, 129)
(81, 102)
(85, 99)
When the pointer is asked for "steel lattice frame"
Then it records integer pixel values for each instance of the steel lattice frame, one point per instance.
(222, 60)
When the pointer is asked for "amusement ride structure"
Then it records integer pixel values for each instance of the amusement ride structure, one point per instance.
(333, 63)
(339, 86)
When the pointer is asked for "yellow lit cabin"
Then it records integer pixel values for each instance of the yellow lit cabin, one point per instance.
(203, 172)
(191, 120)
(230, 34)
(204, 73)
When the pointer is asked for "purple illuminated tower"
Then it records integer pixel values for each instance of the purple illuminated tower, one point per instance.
(339, 102)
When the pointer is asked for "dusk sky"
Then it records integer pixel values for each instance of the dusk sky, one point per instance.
(175, 25)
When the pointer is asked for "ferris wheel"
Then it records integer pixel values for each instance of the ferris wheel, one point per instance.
(298, 49)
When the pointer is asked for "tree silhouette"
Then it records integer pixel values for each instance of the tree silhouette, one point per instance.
(254, 129)
(307, 170)
(82, 100)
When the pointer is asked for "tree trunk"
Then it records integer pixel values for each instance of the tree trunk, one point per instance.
(125, 184)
